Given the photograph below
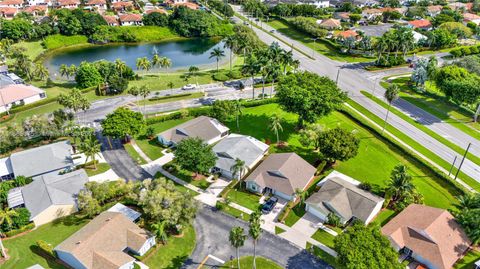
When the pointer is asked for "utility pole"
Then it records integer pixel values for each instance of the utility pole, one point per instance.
(313, 50)
(338, 73)
(453, 165)
(463, 159)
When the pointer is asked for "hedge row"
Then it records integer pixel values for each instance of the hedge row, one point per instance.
(464, 51)
(404, 150)
(21, 230)
(47, 248)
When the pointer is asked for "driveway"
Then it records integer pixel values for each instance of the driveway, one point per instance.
(119, 160)
(212, 230)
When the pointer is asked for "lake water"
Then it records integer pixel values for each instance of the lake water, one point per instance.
(182, 53)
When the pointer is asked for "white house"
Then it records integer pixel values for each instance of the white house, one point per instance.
(130, 19)
(19, 94)
(12, 3)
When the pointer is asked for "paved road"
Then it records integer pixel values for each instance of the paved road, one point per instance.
(212, 230)
(353, 80)
(121, 163)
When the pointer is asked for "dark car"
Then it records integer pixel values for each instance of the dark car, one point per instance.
(269, 205)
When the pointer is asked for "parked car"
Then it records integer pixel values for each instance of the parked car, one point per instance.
(269, 205)
(188, 87)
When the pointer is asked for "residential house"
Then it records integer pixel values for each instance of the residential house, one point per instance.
(347, 34)
(47, 3)
(420, 24)
(429, 235)
(3, 70)
(56, 157)
(39, 10)
(12, 3)
(6, 170)
(235, 146)
(70, 4)
(342, 16)
(122, 6)
(104, 243)
(471, 17)
(340, 195)
(96, 4)
(329, 24)
(156, 10)
(208, 129)
(131, 214)
(189, 5)
(459, 6)
(434, 10)
(8, 12)
(281, 174)
(19, 94)
(371, 13)
(130, 19)
(316, 3)
(49, 196)
(111, 20)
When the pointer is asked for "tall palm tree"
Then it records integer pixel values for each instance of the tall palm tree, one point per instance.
(237, 168)
(400, 182)
(251, 67)
(217, 53)
(165, 62)
(144, 91)
(193, 70)
(238, 111)
(143, 64)
(231, 43)
(120, 66)
(64, 70)
(6, 217)
(273, 73)
(160, 231)
(72, 70)
(391, 94)
(156, 60)
(276, 125)
(237, 240)
(286, 60)
(41, 72)
(91, 148)
(255, 231)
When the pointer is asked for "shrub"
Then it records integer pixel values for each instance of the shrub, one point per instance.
(365, 186)
(474, 50)
(333, 220)
(465, 51)
(47, 248)
(220, 77)
(235, 74)
(456, 53)
(320, 168)
(27, 227)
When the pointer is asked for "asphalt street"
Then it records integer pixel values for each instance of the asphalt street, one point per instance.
(212, 230)
(353, 79)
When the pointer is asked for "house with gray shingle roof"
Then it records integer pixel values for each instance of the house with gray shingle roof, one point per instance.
(208, 129)
(281, 174)
(341, 196)
(236, 146)
(56, 157)
(49, 196)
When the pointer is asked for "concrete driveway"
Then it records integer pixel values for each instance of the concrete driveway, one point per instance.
(212, 230)
(269, 219)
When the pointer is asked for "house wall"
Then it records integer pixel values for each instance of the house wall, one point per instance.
(315, 212)
(147, 246)
(68, 258)
(129, 265)
(52, 213)
(283, 195)
(375, 211)
(253, 187)
(27, 101)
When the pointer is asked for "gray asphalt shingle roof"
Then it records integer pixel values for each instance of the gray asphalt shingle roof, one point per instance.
(245, 148)
(44, 159)
(53, 189)
(202, 127)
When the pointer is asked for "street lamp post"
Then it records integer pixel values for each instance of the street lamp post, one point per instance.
(313, 49)
(338, 73)
(463, 159)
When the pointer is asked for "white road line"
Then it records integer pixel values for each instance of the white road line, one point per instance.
(217, 259)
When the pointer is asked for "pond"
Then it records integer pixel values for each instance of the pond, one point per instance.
(182, 53)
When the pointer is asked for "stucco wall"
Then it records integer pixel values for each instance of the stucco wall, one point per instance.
(53, 212)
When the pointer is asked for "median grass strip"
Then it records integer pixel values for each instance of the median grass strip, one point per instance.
(278, 230)
(423, 128)
(134, 154)
(422, 150)
(247, 263)
(170, 98)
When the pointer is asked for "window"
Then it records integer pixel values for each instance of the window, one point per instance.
(42, 95)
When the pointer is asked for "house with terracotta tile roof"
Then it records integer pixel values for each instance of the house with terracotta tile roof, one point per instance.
(156, 10)
(346, 34)
(371, 13)
(189, 5)
(130, 19)
(12, 3)
(420, 24)
(70, 4)
(104, 243)
(342, 16)
(329, 24)
(471, 17)
(99, 4)
(122, 6)
(434, 10)
(8, 12)
(111, 20)
(461, 6)
(39, 3)
(19, 94)
(429, 235)
(39, 10)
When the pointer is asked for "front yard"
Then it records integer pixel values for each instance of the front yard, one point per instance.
(324, 238)
(187, 176)
(245, 198)
(247, 263)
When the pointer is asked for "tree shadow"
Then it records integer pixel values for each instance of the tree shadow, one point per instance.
(74, 219)
(304, 259)
(52, 263)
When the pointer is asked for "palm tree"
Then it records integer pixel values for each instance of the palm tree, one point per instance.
(273, 73)
(160, 231)
(231, 43)
(143, 64)
(301, 194)
(251, 67)
(156, 60)
(6, 217)
(144, 91)
(91, 148)
(400, 182)
(467, 201)
(276, 125)
(72, 70)
(238, 111)
(237, 168)
(217, 53)
(170, 85)
(286, 60)
(193, 70)
(64, 70)
(165, 62)
(237, 239)
(41, 72)
(120, 66)
(255, 231)
(391, 94)
(135, 91)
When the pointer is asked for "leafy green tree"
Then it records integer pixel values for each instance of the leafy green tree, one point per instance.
(457, 28)
(218, 54)
(193, 70)
(309, 96)
(237, 240)
(391, 94)
(338, 144)
(155, 19)
(302, 194)
(276, 126)
(22, 181)
(354, 18)
(255, 231)
(310, 134)
(223, 110)
(88, 76)
(362, 246)
(333, 220)
(194, 155)
(6, 216)
(123, 122)
(74, 100)
(88, 204)
(160, 231)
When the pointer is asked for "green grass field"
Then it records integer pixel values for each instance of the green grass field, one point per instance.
(59, 41)
(101, 168)
(245, 199)
(385, 216)
(468, 261)
(134, 154)
(324, 238)
(373, 153)
(294, 215)
(247, 263)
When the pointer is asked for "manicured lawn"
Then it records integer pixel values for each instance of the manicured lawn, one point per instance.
(234, 212)
(245, 199)
(294, 215)
(372, 154)
(175, 252)
(247, 263)
(468, 261)
(134, 154)
(101, 168)
(324, 238)
(323, 255)
(187, 176)
(321, 46)
(150, 147)
(24, 252)
(385, 216)
(32, 49)
(278, 230)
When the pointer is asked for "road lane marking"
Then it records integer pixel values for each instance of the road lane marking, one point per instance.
(216, 258)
